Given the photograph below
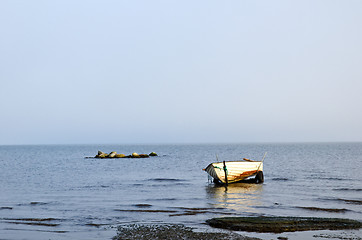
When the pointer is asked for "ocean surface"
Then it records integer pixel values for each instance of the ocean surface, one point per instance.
(55, 192)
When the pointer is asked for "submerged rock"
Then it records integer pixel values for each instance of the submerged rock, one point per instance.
(283, 224)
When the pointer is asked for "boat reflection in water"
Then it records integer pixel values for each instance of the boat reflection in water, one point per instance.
(237, 197)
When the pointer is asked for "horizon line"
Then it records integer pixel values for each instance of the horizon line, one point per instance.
(182, 143)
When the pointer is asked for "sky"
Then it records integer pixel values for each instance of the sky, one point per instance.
(161, 71)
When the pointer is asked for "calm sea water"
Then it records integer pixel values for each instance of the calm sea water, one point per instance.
(54, 192)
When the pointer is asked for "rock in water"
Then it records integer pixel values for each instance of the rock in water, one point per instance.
(135, 155)
(101, 155)
(112, 154)
(152, 154)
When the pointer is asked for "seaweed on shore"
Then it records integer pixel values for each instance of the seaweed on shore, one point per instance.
(283, 224)
(171, 231)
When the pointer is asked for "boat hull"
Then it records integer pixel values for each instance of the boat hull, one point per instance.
(236, 171)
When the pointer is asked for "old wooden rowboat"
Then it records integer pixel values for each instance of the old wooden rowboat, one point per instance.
(236, 171)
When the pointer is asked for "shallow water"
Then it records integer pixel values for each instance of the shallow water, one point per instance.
(54, 192)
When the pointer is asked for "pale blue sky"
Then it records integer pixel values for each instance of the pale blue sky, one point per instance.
(180, 71)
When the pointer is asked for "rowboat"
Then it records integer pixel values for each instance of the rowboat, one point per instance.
(235, 171)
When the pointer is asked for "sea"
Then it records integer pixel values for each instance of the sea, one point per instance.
(62, 192)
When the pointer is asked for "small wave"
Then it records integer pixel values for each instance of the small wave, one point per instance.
(348, 189)
(335, 210)
(163, 184)
(145, 211)
(280, 179)
(142, 205)
(331, 178)
(35, 230)
(97, 225)
(38, 203)
(162, 199)
(356, 202)
(165, 180)
(32, 204)
(33, 221)
(91, 187)
(6, 208)
(136, 184)
(348, 201)
(197, 209)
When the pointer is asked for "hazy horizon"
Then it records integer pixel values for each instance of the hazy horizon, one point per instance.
(144, 72)
(178, 143)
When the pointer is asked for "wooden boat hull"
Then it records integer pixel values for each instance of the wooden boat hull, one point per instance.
(236, 170)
